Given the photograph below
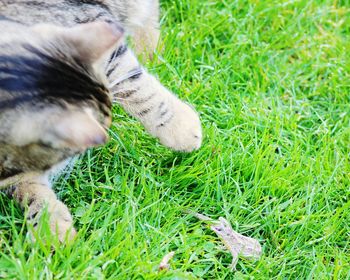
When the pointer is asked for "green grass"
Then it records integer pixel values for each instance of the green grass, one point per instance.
(271, 80)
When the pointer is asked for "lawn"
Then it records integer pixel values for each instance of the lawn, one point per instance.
(271, 80)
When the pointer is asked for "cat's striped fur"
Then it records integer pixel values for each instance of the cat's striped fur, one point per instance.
(61, 62)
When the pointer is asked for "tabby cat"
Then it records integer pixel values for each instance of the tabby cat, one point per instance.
(62, 63)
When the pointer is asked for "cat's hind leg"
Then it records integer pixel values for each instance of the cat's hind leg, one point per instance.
(37, 195)
(146, 40)
(143, 25)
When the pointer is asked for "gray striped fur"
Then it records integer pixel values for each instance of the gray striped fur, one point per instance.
(172, 121)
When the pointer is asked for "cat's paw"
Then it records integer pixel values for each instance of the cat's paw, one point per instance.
(59, 219)
(180, 129)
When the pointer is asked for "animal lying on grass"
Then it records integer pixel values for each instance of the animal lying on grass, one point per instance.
(61, 65)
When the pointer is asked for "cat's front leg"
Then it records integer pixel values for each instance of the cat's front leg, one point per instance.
(165, 116)
(37, 195)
